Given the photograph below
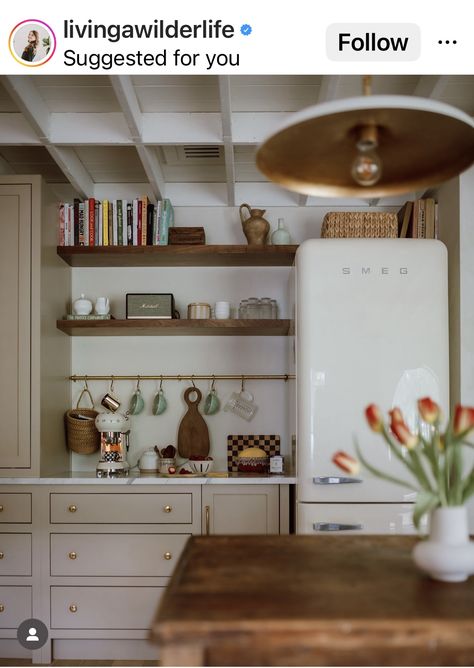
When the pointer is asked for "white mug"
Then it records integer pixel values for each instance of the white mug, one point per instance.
(102, 305)
(222, 310)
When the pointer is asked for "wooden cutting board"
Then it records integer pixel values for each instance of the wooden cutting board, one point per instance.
(193, 434)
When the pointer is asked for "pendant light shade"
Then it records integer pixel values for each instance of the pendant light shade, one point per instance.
(369, 146)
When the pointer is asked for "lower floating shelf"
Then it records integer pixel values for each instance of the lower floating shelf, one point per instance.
(174, 327)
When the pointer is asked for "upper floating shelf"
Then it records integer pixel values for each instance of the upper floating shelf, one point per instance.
(178, 256)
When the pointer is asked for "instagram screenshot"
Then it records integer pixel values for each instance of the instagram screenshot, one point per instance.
(236, 334)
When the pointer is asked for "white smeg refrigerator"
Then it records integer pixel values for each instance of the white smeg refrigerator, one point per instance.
(371, 326)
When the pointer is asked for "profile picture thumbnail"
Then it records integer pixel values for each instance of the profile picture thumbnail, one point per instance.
(32, 43)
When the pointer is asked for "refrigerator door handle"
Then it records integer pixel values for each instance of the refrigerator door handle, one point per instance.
(334, 480)
(334, 526)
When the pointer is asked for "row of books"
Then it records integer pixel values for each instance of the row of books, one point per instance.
(419, 219)
(115, 222)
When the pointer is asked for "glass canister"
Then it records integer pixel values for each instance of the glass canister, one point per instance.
(243, 309)
(274, 304)
(253, 308)
(265, 308)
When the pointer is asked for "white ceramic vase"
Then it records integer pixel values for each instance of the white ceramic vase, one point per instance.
(447, 554)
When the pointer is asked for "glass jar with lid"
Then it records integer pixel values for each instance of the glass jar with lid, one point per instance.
(253, 308)
(265, 308)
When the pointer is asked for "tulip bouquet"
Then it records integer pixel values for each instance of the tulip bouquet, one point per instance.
(435, 464)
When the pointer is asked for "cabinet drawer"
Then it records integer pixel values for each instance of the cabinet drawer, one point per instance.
(116, 554)
(372, 518)
(104, 607)
(169, 508)
(15, 554)
(15, 606)
(15, 508)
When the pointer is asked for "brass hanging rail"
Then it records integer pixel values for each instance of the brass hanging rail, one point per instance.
(190, 377)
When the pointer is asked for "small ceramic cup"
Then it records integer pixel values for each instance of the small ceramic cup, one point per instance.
(212, 403)
(222, 310)
(109, 401)
(137, 403)
(159, 403)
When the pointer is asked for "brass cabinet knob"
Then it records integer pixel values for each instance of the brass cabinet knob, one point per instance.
(73, 608)
(2, 555)
(72, 555)
(168, 556)
(1, 508)
(168, 509)
(2, 607)
(72, 508)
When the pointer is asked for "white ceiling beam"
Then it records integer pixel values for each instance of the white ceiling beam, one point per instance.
(128, 101)
(24, 92)
(153, 171)
(16, 131)
(88, 129)
(226, 117)
(26, 95)
(302, 199)
(73, 169)
(182, 128)
(328, 89)
(430, 86)
(250, 127)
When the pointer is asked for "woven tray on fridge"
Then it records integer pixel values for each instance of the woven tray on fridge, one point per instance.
(359, 224)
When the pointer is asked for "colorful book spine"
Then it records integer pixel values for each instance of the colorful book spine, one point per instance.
(61, 235)
(110, 223)
(96, 223)
(82, 236)
(119, 223)
(114, 223)
(105, 222)
(76, 222)
(135, 222)
(167, 221)
(100, 225)
(145, 203)
(129, 224)
(140, 223)
(86, 222)
(91, 221)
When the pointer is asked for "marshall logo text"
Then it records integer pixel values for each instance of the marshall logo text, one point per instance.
(384, 271)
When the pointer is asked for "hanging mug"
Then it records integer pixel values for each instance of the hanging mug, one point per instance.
(159, 402)
(137, 403)
(109, 401)
(212, 403)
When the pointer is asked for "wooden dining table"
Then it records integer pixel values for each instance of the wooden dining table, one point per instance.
(310, 601)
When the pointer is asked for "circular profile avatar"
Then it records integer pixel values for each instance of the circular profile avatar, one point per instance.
(32, 43)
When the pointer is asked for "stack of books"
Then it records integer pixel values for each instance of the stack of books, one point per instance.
(115, 222)
(419, 219)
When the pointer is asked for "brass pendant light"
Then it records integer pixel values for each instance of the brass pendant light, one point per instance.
(369, 146)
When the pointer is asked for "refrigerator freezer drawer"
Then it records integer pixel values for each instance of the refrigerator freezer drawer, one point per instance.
(354, 518)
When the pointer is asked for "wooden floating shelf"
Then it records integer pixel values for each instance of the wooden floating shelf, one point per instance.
(174, 327)
(178, 256)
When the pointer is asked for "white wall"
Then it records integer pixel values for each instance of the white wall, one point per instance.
(185, 355)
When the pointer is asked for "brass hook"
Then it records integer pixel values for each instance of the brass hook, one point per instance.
(213, 382)
(192, 381)
(86, 386)
(111, 389)
(242, 384)
(138, 383)
(161, 382)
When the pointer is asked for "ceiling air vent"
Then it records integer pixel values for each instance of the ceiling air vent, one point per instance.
(201, 152)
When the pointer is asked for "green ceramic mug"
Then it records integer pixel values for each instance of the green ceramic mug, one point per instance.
(137, 403)
(212, 402)
(159, 403)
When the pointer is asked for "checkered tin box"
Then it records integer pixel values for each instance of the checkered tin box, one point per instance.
(238, 442)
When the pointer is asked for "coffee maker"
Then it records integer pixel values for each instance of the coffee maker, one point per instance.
(114, 431)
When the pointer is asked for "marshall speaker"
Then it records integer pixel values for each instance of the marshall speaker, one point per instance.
(150, 306)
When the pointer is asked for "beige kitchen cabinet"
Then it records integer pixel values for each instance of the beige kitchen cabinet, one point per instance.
(33, 355)
(240, 509)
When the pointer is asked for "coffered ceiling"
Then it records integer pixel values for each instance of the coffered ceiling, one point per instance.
(191, 138)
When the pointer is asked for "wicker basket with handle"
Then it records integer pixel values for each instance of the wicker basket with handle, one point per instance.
(81, 433)
(359, 224)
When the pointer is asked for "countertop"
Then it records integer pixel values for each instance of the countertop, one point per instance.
(89, 478)
(306, 600)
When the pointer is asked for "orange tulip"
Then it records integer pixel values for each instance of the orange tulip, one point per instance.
(400, 429)
(346, 462)
(463, 419)
(374, 417)
(429, 410)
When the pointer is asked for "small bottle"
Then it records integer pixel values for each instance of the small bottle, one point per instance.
(281, 236)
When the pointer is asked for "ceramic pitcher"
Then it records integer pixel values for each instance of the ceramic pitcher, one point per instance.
(255, 227)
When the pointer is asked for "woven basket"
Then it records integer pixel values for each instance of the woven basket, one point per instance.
(359, 224)
(82, 435)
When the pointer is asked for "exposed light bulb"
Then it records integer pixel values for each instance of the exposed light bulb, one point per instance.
(366, 169)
